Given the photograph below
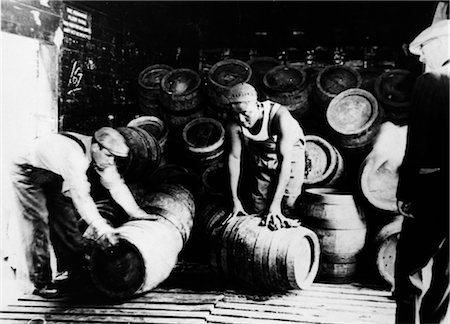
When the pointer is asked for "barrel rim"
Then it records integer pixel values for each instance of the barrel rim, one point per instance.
(333, 67)
(144, 120)
(351, 92)
(332, 155)
(276, 69)
(207, 172)
(379, 94)
(224, 62)
(212, 147)
(366, 169)
(330, 195)
(150, 68)
(196, 78)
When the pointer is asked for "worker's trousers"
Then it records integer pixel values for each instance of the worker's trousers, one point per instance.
(46, 215)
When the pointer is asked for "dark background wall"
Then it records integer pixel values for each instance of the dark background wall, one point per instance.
(128, 36)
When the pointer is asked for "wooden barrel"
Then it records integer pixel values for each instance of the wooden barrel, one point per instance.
(287, 86)
(148, 249)
(334, 79)
(354, 119)
(384, 249)
(393, 90)
(378, 184)
(215, 180)
(324, 165)
(221, 77)
(204, 141)
(144, 154)
(368, 78)
(181, 97)
(260, 66)
(340, 226)
(156, 127)
(149, 81)
(261, 259)
(174, 174)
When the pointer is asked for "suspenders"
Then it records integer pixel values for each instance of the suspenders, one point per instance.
(76, 139)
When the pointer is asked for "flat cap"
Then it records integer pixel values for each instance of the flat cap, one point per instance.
(112, 140)
(438, 29)
(242, 92)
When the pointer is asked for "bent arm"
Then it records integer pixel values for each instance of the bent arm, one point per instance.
(234, 163)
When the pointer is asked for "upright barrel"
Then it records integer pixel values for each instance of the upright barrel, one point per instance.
(149, 81)
(148, 249)
(221, 78)
(260, 66)
(204, 141)
(287, 85)
(393, 90)
(354, 119)
(334, 79)
(258, 258)
(340, 225)
(324, 165)
(181, 97)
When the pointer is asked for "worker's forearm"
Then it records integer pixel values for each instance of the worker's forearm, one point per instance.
(86, 207)
(234, 165)
(282, 181)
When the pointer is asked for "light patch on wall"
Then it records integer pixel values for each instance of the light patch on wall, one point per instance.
(44, 3)
(36, 17)
(59, 37)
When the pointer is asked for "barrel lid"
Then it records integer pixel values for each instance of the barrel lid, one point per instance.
(320, 159)
(379, 185)
(203, 134)
(159, 130)
(285, 78)
(180, 82)
(228, 73)
(394, 88)
(352, 111)
(334, 79)
(150, 78)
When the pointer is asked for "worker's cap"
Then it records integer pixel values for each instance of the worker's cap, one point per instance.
(438, 29)
(112, 140)
(242, 92)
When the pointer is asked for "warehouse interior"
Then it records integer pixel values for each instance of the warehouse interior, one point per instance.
(80, 65)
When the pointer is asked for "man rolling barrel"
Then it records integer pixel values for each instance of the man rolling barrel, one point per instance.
(54, 192)
(265, 135)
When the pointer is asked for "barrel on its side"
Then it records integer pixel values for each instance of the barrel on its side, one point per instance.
(144, 154)
(379, 184)
(384, 249)
(181, 97)
(148, 249)
(156, 127)
(324, 165)
(332, 80)
(149, 81)
(340, 225)
(354, 119)
(259, 258)
(204, 141)
(288, 86)
(221, 78)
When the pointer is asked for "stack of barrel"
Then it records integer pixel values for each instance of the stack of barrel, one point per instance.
(341, 109)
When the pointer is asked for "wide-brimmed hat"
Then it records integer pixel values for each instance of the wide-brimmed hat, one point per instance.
(438, 29)
(112, 140)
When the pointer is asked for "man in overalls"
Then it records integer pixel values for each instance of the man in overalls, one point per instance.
(423, 189)
(274, 146)
(53, 191)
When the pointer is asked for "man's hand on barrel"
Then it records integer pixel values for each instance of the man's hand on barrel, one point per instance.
(275, 220)
(105, 234)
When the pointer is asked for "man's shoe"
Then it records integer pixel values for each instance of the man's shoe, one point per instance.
(50, 292)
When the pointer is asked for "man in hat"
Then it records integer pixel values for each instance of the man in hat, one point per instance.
(274, 146)
(53, 191)
(423, 189)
